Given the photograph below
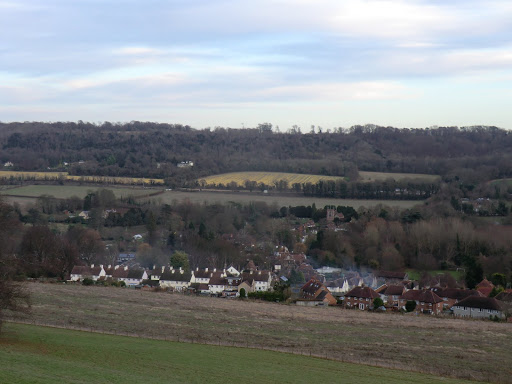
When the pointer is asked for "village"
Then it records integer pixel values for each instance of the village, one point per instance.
(370, 290)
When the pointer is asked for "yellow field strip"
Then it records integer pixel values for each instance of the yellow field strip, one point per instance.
(267, 178)
(41, 176)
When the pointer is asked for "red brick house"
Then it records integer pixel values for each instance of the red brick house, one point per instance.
(426, 301)
(391, 295)
(360, 297)
(485, 287)
(315, 293)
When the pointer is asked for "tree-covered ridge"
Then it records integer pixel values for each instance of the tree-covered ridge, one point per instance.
(154, 150)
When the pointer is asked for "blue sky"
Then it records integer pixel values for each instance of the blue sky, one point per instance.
(232, 63)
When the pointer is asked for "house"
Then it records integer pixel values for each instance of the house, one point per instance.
(485, 287)
(184, 164)
(391, 294)
(201, 276)
(217, 282)
(176, 279)
(232, 271)
(156, 273)
(391, 278)
(8, 164)
(333, 215)
(134, 277)
(124, 257)
(360, 297)
(426, 301)
(262, 279)
(314, 293)
(78, 273)
(247, 285)
(338, 286)
(478, 307)
(138, 236)
(451, 296)
(120, 273)
(84, 215)
(232, 283)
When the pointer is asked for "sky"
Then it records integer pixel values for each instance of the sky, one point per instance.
(208, 63)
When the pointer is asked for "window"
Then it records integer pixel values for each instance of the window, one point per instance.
(361, 306)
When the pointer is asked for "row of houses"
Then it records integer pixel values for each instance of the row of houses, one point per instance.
(207, 281)
(459, 302)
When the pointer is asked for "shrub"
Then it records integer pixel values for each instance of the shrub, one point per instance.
(410, 305)
(377, 303)
(87, 281)
(242, 293)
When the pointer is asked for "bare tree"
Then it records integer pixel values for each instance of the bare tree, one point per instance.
(13, 295)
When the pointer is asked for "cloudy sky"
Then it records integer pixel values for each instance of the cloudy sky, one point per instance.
(328, 63)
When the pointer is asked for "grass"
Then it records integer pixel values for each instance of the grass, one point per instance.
(32, 354)
(281, 200)
(416, 275)
(381, 176)
(267, 178)
(443, 347)
(66, 191)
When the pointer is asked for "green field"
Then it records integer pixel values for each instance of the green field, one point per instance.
(416, 275)
(31, 354)
(437, 346)
(281, 200)
(381, 176)
(65, 191)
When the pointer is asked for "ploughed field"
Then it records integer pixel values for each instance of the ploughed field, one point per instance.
(465, 349)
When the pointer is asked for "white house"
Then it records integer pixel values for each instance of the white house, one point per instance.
(262, 279)
(478, 307)
(78, 273)
(177, 279)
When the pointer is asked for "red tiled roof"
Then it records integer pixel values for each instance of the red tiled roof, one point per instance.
(362, 292)
(480, 302)
(424, 295)
(394, 290)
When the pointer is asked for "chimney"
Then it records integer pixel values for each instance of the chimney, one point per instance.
(206, 269)
(250, 272)
(197, 269)
(101, 266)
(116, 267)
(154, 267)
(126, 268)
(109, 266)
(92, 265)
(163, 269)
(214, 269)
(259, 272)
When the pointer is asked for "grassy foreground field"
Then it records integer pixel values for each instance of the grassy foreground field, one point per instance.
(281, 200)
(66, 191)
(31, 354)
(478, 350)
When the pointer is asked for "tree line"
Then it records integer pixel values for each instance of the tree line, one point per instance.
(468, 155)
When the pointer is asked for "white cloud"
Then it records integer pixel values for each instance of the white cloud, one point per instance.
(365, 90)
